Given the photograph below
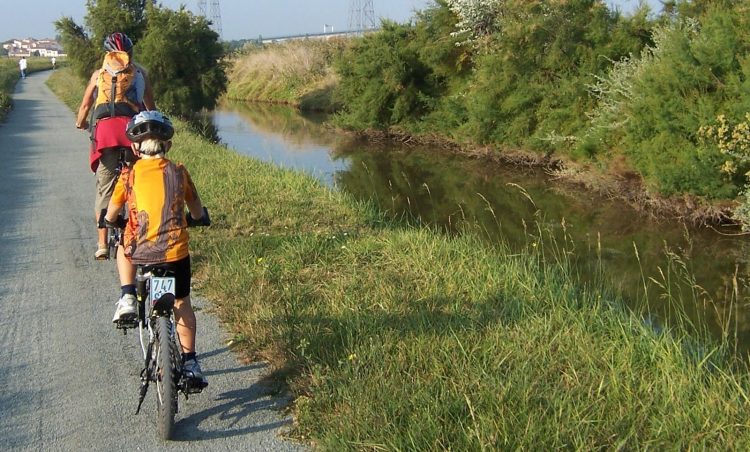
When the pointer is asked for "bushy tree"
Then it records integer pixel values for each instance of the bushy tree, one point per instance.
(383, 80)
(182, 55)
(82, 54)
(84, 45)
(696, 69)
(531, 76)
(521, 81)
(108, 16)
(185, 60)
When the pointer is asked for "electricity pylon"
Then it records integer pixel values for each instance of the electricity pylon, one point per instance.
(361, 15)
(213, 16)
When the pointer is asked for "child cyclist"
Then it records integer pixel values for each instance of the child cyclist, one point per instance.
(156, 191)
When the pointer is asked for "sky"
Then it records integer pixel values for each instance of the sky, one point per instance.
(240, 19)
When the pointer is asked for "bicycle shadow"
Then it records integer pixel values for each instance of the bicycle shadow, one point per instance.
(239, 410)
(237, 414)
(227, 370)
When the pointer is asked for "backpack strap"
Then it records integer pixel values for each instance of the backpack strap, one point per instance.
(112, 97)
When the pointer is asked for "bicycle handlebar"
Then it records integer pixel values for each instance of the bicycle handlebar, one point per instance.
(205, 220)
(119, 223)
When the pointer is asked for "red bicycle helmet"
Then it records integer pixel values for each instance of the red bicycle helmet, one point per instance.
(118, 41)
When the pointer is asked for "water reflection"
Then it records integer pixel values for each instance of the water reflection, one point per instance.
(278, 134)
(202, 123)
(642, 258)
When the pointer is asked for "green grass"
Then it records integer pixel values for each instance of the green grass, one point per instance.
(397, 338)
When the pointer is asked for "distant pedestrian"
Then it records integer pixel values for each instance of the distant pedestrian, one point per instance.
(53, 60)
(22, 66)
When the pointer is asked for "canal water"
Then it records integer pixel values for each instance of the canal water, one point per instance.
(702, 270)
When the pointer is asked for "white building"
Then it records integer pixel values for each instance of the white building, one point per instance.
(33, 47)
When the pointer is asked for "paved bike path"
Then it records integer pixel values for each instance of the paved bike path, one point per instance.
(68, 380)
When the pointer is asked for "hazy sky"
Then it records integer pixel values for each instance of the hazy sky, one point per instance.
(240, 19)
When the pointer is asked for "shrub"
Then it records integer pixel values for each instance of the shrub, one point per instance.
(531, 78)
(383, 79)
(184, 59)
(696, 68)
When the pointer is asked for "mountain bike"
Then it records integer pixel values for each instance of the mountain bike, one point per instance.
(155, 295)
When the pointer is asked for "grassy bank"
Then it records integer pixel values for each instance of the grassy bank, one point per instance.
(298, 73)
(396, 338)
(9, 75)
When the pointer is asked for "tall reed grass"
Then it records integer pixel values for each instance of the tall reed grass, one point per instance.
(394, 337)
(294, 72)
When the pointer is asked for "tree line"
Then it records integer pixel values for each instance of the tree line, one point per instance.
(571, 78)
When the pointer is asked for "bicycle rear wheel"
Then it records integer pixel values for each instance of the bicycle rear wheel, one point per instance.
(166, 377)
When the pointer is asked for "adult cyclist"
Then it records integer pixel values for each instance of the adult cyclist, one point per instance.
(108, 138)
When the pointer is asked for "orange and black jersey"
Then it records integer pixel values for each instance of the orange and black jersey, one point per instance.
(155, 191)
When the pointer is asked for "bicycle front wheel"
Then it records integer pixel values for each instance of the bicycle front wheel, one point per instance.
(165, 352)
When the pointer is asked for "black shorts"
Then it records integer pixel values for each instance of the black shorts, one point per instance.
(182, 275)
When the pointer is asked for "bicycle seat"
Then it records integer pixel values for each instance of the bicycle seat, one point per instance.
(163, 269)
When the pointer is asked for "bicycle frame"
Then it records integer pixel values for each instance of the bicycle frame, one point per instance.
(159, 308)
(148, 313)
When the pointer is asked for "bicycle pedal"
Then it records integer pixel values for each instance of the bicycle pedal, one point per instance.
(194, 386)
(126, 323)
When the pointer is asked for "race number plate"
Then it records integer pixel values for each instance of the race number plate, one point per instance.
(160, 286)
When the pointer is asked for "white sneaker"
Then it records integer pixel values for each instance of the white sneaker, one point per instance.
(124, 308)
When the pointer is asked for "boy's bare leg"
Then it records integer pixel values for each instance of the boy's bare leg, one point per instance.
(185, 319)
(125, 269)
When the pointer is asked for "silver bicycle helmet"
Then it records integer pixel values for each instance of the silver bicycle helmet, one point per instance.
(149, 124)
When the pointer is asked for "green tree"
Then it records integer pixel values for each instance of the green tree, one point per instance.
(531, 79)
(697, 69)
(82, 54)
(182, 55)
(522, 82)
(108, 16)
(185, 60)
(84, 45)
(383, 79)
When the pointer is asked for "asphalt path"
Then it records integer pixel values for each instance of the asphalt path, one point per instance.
(68, 380)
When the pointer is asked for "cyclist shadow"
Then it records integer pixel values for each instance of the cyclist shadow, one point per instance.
(239, 412)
